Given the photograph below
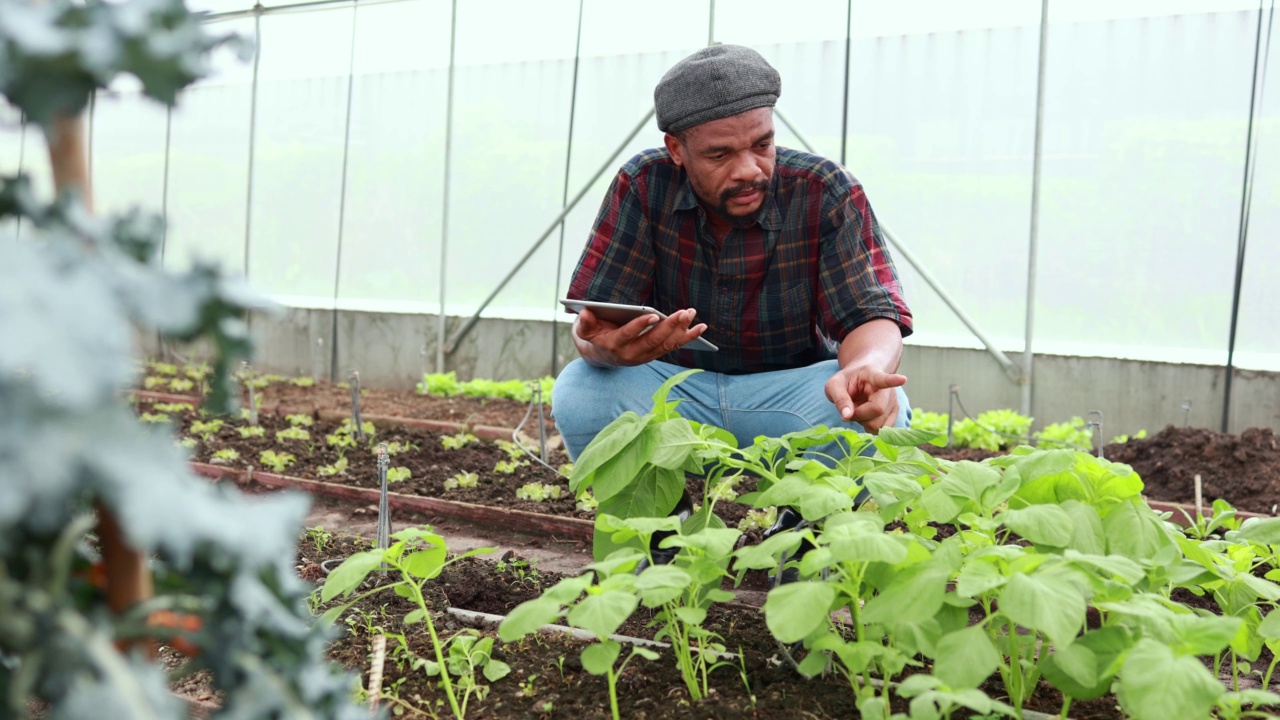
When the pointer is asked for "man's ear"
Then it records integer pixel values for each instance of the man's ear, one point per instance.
(674, 147)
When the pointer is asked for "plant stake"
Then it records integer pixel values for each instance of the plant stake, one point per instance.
(1096, 426)
(355, 408)
(375, 672)
(253, 401)
(384, 506)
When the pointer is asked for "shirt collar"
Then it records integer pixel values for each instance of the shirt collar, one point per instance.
(769, 216)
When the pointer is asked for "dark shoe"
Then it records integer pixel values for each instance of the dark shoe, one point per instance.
(664, 556)
(789, 519)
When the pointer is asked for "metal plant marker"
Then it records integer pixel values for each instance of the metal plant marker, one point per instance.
(253, 401)
(355, 404)
(1096, 426)
(1185, 408)
(384, 507)
(542, 423)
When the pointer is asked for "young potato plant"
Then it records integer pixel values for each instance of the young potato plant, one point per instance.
(416, 556)
(598, 601)
(1041, 538)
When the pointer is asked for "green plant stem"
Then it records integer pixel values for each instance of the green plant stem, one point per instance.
(1235, 672)
(435, 644)
(1066, 705)
(1266, 679)
(613, 692)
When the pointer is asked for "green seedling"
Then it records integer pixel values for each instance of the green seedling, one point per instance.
(197, 372)
(1121, 439)
(462, 480)
(299, 420)
(173, 407)
(416, 556)
(186, 443)
(759, 519)
(598, 601)
(152, 382)
(337, 468)
(225, 456)
(538, 492)
(1071, 434)
(586, 503)
(206, 429)
(397, 447)
(293, 433)
(276, 461)
(512, 450)
(303, 382)
(460, 440)
(340, 440)
(164, 368)
(153, 418)
(252, 431)
(181, 385)
(320, 538)
(507, 467)
(397, 474)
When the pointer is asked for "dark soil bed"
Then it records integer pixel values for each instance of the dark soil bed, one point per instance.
(547, 679)
(1242, 469)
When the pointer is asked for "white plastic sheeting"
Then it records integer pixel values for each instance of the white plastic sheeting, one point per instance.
(1146, 115)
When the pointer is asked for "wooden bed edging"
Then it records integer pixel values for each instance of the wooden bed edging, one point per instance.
(518, 520)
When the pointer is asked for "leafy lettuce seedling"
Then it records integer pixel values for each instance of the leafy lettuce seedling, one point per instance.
(277, 461)
(538, 492)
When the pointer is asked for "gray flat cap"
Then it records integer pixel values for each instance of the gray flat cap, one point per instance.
(714, 83)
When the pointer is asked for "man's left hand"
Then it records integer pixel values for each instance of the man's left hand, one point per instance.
(866, 395)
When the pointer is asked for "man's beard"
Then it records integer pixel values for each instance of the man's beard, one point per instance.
(722, 209)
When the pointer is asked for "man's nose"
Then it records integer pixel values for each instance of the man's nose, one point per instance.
(746, 168)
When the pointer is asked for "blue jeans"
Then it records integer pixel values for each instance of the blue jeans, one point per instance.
(587, 398)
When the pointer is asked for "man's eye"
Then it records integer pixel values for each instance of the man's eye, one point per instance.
(765, 145)
(717, 156)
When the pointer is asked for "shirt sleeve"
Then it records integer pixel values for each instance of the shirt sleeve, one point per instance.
(856, 275)
(617, 264)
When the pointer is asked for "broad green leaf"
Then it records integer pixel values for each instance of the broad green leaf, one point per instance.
(889, 488)
(660, 584)
(716, 543)
(348, 576)
(623, 560)
(1269, 629)
(1041, 524)
(1156, 684)
(427, 563)
(673, 441)
(663, 391)
(701, 520)
(979, 577)
(766, 554)
(1048, 602)
(1086, 528)
(820, 500)
(786, 491)
(869, 547)
(598, 659)
(913, 596)
(855, 656)
(690, 615)
(969, 480)
(495, 670)
(639, 525)
(415, 617)
(1085, 668)
(615, 436)
(795, 610)
(1134, 532)
(602, 615)
(904, 437)
(1116, 565)
(1113, 481)
(1204, 634)
(965, 658)
(527, 617)
(653, 494)
(1260, 530)
(628, 466)
(941, 507)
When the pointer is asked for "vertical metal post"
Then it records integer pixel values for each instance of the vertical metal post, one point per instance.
(93, 106)
(164, 189)
(1246, 198)
(448, 157)
(384, 507)
(564, 197)
(1096, 426)
(342, 197)
(355, 404)
(848, 60)
(1028, 354)
(542, 421)
(22, 159)
(711, 24)
(253, 132)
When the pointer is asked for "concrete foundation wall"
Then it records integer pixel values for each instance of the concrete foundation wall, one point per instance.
(393, 350)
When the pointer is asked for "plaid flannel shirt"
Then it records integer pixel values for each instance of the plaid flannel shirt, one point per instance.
(780, 293)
